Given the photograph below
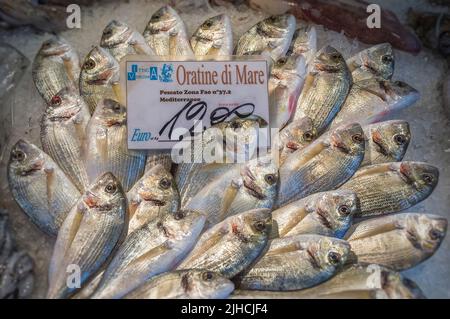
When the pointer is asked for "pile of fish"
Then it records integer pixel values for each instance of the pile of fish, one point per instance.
(133, 225)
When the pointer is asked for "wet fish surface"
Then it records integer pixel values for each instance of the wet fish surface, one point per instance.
(392, 187)
(213, 37)
(304, 42)
(40, 187)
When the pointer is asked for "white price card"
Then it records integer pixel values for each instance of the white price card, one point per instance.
(167, 99)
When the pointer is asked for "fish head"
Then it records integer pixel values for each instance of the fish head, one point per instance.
(25, 159)
(208, 284)
(395, 286)
(298, 133)
(380, 59)
(349, 139)
(111, 113)
(105, 194)
(115, 33)
(213, 29)
(157, 187)
(304, 42)
(276, 26)
(391, 138)
(55, 46)
(328, 59)
(288, 68)
(422, 176)
(399, 94)
(425, 231)
(255, 225)
(328, 252)
(166, 19)
(64, 105)
(260, 178)
(100, 68)
(182, 224)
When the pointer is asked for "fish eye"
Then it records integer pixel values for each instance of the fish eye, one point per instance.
(208, 24)
(357, 138)
(179, 215)
(386, 59)
(156, 16)
(344, 209)
(56, 100)
(334, 56)
(434, 234)
(260, 226)
(400, 139)
(165, 183)
(334, 258)
(89, 64)
(427, 178)
(282, 61)
(107, 32)
(18, 156)
(400, 84)
(308, 136)
(272, 19)
(235, 125)
(270, 179)
(116, 107)
(207, 275)
(111, 188)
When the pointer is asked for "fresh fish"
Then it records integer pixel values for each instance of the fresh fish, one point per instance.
(285, 83)
(56, 66)
(392, 187)
(63, 129)
(231, 194)
(399, 241)
(89, 235)
(40, 187)
(166, 33)
(107, 149)
(184, 284)
(327, 213)
(353, 282)
(213, 37)
(296, 135)
(155, 157)
(232, 245)
(377, 61)
(372, 100)
(273, 35)
(326, 88)
(304, 42)
(121, 40)
(295, 262)
(153, 196)
(154, 248)
(323, 165)
(99, 77)
(386, 142)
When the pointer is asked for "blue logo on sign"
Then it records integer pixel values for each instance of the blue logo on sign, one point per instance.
(132, 74)
(153, 73)
(166, 73)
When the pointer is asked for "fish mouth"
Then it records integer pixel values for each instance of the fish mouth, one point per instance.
(150, 197)
(93, 201)
(103, 78)
(114, 121)
(378, 140)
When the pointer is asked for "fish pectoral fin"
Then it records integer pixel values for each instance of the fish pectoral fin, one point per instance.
(228, 198)
(50, 182)
(149, 254)
(375, 227)
(209, 243)
(372, 170)
(309, 81)
(284, 247)
(300, 214)
(303, 156)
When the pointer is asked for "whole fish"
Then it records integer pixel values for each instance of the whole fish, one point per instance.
(254, 187)
(213, 37)
(304, 42)
(326, 88)
(296, 135)
(353, 282)
(392, 187)
(295, 262)
(63, 127)
(166, 33)
(154, 195)
(377, 61)
(232, 245)
(121, 40)
(327, 213)
(99, 77)
(89, 235)
(40, 187)
(55, 67)
(372, 100)
(323, 165)
(107, 149)
(273, 35)
(399, 241)
(285, 83)
(386, 142)
(154, 248)
(184, 284)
